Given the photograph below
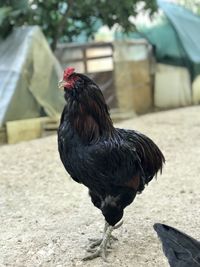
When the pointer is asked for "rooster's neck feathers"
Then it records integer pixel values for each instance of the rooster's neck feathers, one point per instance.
(88, 112)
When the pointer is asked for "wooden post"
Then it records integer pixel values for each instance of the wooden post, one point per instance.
(132, 76)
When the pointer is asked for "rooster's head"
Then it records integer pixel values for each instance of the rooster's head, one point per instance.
(69, 78)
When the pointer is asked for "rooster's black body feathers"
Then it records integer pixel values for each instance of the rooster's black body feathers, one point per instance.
(113, 163)
(181, 249)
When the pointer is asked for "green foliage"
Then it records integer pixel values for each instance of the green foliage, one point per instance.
(65, 20)
(12, 12)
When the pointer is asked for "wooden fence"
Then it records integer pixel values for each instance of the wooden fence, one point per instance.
(95, 60)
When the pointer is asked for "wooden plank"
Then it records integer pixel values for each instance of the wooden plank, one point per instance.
(23, 130)
(50, 127)
(3, 136)
(84, 58)
(85, 61)
(87, 45)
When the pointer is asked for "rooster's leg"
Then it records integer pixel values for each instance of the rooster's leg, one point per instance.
(104, 243)
(96, 242)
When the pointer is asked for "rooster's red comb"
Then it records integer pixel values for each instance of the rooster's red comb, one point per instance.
(67, 72)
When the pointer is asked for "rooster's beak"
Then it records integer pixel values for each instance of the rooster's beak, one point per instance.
(61, 84)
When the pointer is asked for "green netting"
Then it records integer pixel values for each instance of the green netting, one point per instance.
(175, 39)
(187, 26)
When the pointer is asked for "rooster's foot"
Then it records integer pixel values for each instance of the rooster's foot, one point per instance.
(96, 242)
(103, 244)
(100, 252)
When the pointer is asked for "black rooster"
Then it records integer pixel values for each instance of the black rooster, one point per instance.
(115, 164)
(180, 249)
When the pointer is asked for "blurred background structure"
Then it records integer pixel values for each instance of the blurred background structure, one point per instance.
(144, 55)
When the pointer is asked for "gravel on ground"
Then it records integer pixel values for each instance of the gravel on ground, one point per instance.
(47, 218)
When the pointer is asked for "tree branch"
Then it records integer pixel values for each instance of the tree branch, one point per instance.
(61, 25)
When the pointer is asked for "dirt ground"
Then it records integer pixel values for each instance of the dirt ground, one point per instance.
(46, 218)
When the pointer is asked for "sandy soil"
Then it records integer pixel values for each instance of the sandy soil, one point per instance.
(46, 218)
